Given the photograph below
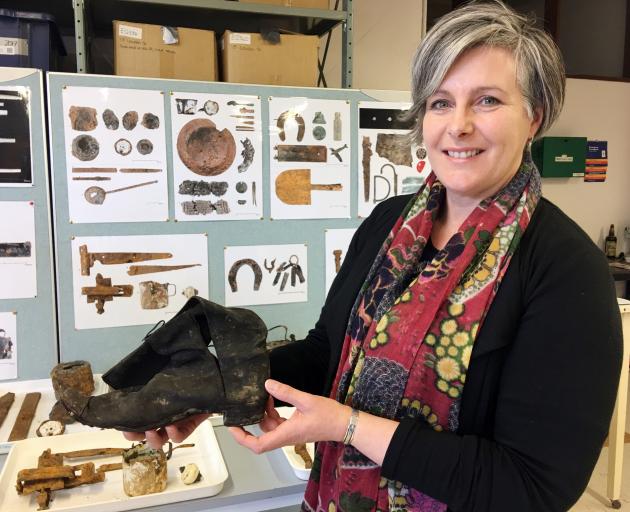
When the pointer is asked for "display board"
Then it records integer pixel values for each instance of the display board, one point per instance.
(28, 332)
(220, 143)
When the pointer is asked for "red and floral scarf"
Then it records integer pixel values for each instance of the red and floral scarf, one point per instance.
(411, 333)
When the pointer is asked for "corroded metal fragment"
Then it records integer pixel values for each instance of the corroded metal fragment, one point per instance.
(150, 121)
(6, 401)
(74, 374)
(319, 133)
(60, 413)
(395, 147)
(123, 147)
(83, 119)
(85, 147)
(110, 119)
(144, 471)
(210, 107)
(221, 207)
(15, 249)
(25, 417)
(130, 120)
(203, 188)
(144, 146)
(204, 149)
(247, 154)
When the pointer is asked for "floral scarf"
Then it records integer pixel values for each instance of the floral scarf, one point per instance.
(411, 333)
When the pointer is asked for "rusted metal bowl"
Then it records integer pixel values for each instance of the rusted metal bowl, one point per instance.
(204, 149)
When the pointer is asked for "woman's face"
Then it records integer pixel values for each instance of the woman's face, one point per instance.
(476, 125)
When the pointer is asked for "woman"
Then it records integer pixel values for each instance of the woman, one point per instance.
(470, 344)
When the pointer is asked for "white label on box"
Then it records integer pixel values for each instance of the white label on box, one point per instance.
(127, 31)
(240, 38)
(13, 46)
(563, 159)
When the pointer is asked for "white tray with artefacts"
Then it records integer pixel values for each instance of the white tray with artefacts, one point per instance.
(295, 461)
(109, 496)
(47, 400)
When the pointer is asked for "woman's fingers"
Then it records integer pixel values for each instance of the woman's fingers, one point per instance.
(156, 438)
(287, 394)
(276, 438)
(134, 436)
(270, 409)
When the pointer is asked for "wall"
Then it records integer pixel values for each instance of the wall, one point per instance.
(598, 50)
(385, 35)
(598, 110)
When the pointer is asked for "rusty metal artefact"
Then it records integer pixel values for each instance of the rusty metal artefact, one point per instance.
(204, 149)
(105, 291)
(115, 258)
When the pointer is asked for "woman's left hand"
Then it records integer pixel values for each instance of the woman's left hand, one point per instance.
(315, 419)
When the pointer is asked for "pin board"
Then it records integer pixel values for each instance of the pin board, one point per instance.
(28, 334)
(222, 195)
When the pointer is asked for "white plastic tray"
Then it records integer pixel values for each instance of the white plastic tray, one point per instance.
(295, 461)
(109, 495)
(45, 404)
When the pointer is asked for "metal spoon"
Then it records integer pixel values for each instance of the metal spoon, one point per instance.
(96, 195)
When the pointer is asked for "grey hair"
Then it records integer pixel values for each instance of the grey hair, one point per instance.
(539, 65)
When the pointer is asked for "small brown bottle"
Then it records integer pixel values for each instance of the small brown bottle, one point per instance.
(610, 246)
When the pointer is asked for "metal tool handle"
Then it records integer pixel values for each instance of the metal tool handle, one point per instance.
(335, 186)
(132, 186)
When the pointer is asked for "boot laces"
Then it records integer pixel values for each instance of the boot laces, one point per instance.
(153, 329)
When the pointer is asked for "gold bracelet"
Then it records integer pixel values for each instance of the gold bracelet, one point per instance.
(352, 425)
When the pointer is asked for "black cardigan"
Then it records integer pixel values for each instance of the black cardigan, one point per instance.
(540, 388)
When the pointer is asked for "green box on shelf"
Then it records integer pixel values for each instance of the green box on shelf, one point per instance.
(560, 157)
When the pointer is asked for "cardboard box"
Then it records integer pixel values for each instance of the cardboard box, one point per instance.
(164, 52)
(560, 157)
(303, 4)
(249, 59)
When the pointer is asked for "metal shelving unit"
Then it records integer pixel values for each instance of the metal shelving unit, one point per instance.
(94, 18)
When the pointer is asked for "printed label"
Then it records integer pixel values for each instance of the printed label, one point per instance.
(127, 31)
(13, 46)
(564, 159)
(240, 38)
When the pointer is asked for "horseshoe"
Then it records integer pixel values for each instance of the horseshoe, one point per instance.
(298, 119)
(235, 268)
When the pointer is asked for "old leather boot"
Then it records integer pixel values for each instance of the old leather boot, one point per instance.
(173, 375)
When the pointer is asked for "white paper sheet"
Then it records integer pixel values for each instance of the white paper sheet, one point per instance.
(142, 147)
(336, 240)
(240, 183)
(8, 345)
(281, 270)
(18, 274)
(386, 178)
(326, 128)
(185, 250)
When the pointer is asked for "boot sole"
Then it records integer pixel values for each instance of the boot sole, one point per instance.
(233, 416)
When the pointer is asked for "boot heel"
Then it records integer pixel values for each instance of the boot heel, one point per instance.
(243, 414)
